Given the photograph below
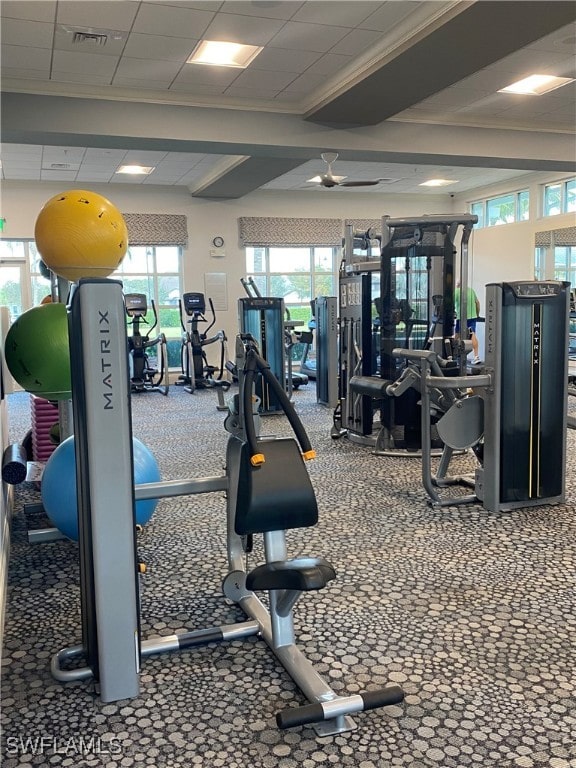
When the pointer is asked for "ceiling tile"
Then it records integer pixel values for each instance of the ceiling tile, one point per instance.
(109, 14)
(388, 15)
(36, 10)
(306, 83)
(93, 177)
(97, 155)
(262, 79)
(19, 73)
(201, 5)
(205, 74)
(340, 14)
(83, 63)
(63, 154)
(69, 176)
(328, 64)
(64, 40)
(36, 34)
(137, 83)
(562, 40)
(531, 60)
(308, 37)
(171, 21)
(268, 10)
(143, 157)
(254, 94)
(289, 97)
(283, 60)
(148, 69)
(22, 151)
(242, 29)
(19, 56)
(197, 89)
(357, 41)
(15, 163)
(24, 175)
(160, 47)
(89, 78)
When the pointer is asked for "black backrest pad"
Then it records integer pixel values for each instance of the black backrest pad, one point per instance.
(276, 495)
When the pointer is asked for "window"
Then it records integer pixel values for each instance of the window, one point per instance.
(477, 209)
(504, 209)
(156, 271)
(153, 270)
(295, 274)
(559, 197)
(565, 263)
(540, 263)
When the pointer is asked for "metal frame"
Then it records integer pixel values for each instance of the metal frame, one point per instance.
(109, 595)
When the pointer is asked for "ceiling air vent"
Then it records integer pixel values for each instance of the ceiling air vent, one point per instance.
(93, 38)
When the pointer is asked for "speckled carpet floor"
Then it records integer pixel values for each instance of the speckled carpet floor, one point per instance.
(473, 613)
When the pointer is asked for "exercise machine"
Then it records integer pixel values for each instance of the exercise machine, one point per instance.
(403, 298)
(306, 339)
(513, 414)
(327, 350)
(197, 373)
(268, 490)
(266, 319)
(146, 374)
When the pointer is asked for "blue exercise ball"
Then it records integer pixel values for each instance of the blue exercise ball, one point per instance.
(59, 486)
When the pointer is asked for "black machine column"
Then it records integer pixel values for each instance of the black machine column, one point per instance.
(525, 411)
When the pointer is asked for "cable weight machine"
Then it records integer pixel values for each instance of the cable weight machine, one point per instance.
(267, 488)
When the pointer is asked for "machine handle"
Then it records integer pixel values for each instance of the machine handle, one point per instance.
(309, 713)
(383, 697)
(14, 464)
(314, 713)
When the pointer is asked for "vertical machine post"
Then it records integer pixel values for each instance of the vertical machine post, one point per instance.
(105, 486)
(327, 350)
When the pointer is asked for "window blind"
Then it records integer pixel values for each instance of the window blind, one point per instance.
(156, 229)
(264, 231)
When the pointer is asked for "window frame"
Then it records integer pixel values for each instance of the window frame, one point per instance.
(519, 200)
(567, 201)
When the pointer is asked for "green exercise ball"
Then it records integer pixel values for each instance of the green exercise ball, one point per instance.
(37, 351)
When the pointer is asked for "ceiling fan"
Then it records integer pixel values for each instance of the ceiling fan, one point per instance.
(328, 179)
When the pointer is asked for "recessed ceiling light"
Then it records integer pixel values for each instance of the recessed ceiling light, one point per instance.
(135, 170)
(536, 85)
(224, 54)
(438, 182)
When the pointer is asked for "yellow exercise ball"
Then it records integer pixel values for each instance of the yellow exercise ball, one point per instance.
(81, 234)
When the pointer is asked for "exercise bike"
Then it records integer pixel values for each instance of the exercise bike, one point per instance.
(144, 375)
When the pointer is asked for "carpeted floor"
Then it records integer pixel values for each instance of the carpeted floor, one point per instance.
(473, 613)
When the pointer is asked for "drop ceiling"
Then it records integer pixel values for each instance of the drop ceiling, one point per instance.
(402, 90)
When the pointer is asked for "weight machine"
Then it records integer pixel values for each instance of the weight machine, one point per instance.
(145, 376)
(268, 490)
(403, 297)
(515, 419)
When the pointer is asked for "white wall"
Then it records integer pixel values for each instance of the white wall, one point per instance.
(506, 252)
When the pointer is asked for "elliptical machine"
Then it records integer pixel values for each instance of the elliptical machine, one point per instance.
(144, 376)
(197, 373)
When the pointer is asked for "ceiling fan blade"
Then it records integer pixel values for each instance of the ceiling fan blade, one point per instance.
(367, 183)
